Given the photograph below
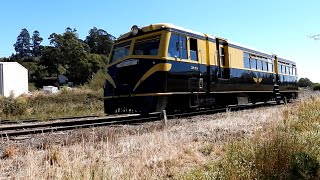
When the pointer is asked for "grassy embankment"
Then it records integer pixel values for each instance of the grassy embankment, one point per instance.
(85, 100)
(279, 142)
(66, 103)
(290, 149)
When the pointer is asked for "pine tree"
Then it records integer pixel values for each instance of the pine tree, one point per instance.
(36, 41)
(22, 46)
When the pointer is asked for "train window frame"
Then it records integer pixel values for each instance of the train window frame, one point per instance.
(222, 56)
(251, 61)
(193, 49)
(183, 47)
(117, 48)
(143, 41)
(246, 62)
(290, 70)
(270, 67)
(173, 47)
(265, 65)
(259, 65)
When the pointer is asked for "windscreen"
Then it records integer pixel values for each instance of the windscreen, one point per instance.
(147, 46)
(120, 51)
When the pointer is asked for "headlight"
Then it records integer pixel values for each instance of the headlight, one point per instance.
(134, 30)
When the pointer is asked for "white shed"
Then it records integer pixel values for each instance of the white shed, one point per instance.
(13, 78)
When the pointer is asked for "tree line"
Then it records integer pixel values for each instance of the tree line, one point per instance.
(66, 55)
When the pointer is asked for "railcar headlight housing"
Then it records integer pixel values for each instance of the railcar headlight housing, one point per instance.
(134, 30)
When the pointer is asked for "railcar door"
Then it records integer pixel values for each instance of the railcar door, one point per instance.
(223, 62)
(195, 78)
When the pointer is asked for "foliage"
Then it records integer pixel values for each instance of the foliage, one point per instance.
(11, 106)
(70, 56)
(22, 45)
(304, 82)
(32, 87)
(97, 81)
(99, 41)
(288, 151)
(36, 41)
(67, 55)
(316, 87)
(72, 102)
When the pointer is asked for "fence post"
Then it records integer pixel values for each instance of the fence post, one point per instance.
(164, 114)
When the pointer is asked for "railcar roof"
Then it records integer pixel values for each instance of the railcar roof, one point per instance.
(158, 26)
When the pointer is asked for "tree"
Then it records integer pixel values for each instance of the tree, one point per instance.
(304, 82)
(36, 41)
(22, 45)
(99, 41)
(68, 55)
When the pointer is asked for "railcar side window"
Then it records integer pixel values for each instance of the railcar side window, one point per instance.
(265, 65)
(259, 64)
(270, 67)
(279, 68)
(253, 63)
(290, 70)
(120, 51)
(147, 46)
(193, 49)
(178, 46)
(246, 61)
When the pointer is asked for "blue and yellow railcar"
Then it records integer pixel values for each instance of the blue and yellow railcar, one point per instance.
(163, 66)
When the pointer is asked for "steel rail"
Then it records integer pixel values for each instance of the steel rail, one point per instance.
(36, 128)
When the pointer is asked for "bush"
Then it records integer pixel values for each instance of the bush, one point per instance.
(288, 151)
(303, 166)
(316, 87)
(69, 102)
(32, 87)
(97, 81)
(13, 106)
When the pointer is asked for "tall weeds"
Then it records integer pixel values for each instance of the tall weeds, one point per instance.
(288, 150)
(44, 106)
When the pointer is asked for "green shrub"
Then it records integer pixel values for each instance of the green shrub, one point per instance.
(97, 81)
(288, 151)
(11, 106)
(303, 166)
(316, 87)
(32, 87)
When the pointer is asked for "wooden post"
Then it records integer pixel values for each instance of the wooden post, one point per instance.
(164, 114)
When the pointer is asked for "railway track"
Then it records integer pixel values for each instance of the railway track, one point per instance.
(30, 127)
(7, 121)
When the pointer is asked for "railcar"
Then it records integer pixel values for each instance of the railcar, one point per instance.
(163, 66)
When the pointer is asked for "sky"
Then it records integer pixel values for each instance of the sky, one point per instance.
(276, 26)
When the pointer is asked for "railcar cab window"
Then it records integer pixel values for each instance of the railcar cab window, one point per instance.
(147, 46)
(120, 51)
(193, 49)
(178, 46)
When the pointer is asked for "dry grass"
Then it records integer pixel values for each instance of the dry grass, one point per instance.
(76, 102)
(185, 148)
